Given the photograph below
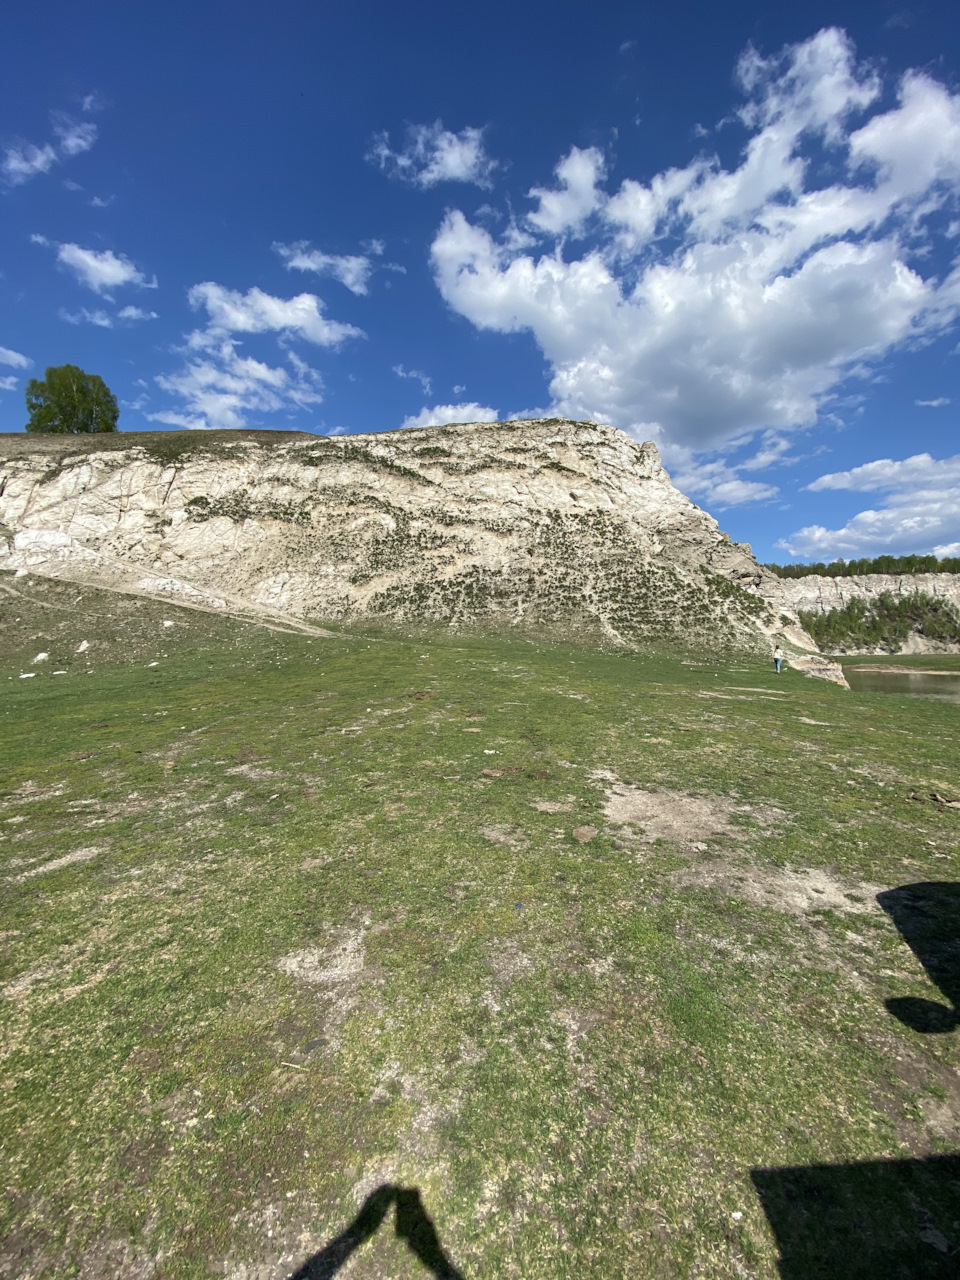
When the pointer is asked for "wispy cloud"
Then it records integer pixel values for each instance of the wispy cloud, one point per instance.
(25, 160)
(220, 387)
(417, 376)
(919, 509)
(74, 136)
(352, 270)
(933, 404)
(100, 318)
(433, 154)
(104, 320)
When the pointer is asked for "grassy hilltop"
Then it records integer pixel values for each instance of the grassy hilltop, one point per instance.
(584, 946)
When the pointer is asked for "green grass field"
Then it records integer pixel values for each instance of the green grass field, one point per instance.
(584, 946)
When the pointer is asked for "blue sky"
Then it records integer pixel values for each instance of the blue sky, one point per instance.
(730, 228)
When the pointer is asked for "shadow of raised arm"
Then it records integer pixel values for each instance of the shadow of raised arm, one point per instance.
(412, 1225)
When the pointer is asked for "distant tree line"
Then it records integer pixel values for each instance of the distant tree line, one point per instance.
(883, 623)
(880, 564)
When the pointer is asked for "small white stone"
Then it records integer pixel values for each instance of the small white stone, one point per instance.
(82, 647)
(41, 657)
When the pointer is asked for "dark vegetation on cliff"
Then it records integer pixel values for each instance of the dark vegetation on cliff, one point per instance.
(884, 623)
(879, 564)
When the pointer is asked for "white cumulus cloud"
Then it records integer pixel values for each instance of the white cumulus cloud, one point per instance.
(716, 482)
(219, 386)
(433, 154)
(14, 358)
(351, 269)
(9, 382)
(136, 313)
(567, 207)
(101, 270)
(919, 510)
(230, 311)
(443, 414)
(709, 303)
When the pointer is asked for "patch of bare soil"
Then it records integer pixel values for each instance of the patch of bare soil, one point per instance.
(682, 819)
(252, 772)
(78, 855)
(507, 962)
(338, 962)
(553, 806)
(336, 971)
(19, 987)
(29, 791)
(795, 892)
(499, 833)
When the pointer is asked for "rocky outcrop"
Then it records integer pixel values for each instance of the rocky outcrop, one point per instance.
(817, 667)
(820, 594)
(539, 521)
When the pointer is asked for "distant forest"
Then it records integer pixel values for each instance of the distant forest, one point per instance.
(882, 564)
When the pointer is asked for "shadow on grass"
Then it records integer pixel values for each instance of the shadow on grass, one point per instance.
(411, 1223)
(875, 1220)
(928, 917)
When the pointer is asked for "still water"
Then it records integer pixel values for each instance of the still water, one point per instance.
(914, 684)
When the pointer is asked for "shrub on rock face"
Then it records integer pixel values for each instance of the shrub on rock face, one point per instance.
(884, 623)
(69, 400)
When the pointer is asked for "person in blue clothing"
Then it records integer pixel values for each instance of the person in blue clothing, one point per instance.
(777, 658)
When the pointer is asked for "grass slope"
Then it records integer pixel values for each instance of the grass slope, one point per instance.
(285, 921)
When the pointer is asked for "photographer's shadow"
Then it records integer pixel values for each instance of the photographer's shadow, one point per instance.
(927, 914)
(411, 1223)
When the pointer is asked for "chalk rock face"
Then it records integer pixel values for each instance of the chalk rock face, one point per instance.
(540, 521)
(818, 594)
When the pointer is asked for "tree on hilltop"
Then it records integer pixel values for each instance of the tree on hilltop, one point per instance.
(69, 400)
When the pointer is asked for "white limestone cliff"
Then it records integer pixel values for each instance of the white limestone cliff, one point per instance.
(538, 521)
